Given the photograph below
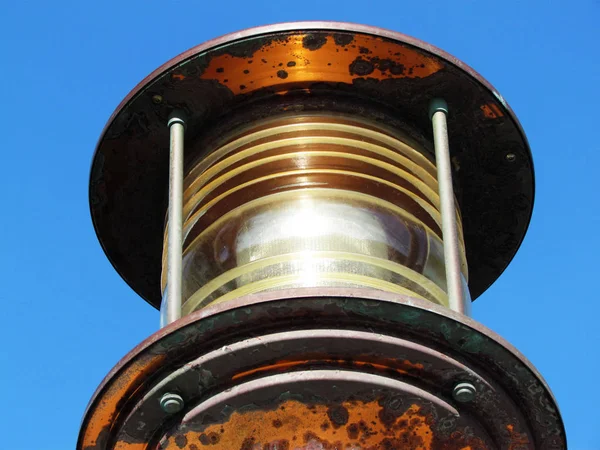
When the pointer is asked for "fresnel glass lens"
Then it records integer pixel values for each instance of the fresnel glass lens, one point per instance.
(312, 201)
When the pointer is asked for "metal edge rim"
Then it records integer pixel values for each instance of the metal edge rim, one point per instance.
(304, 293)
(297, 26)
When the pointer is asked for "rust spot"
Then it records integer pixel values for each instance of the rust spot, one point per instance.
(342, 39)
(120, 445)
(247, 444)
(517, 440)
(211, 438)
(282, 74)
(256, 430)
(491, 111)
(327, 63)
(181, 441)
(104, 415)
(338, 416)
(285, 108)
(386, 417)
(314, 42)
(352, 430)
(401, 367)
(361, 67)
(383, 65)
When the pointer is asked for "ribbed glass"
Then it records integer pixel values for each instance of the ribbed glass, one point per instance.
(311, 201)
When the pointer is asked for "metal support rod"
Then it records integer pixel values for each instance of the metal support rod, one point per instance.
(176, 126)
(456, 296)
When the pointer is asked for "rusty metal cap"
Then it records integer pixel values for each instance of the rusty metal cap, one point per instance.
(323, 369)
(296, 65)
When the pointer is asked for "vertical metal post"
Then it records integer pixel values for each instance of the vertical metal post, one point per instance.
(456, 296)
(176, 126)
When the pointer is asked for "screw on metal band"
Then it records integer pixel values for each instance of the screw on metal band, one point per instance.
(171, 403)
(464, 392)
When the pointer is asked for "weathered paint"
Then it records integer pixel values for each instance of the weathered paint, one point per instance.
(280, 67)
(105, 414)
(281, 366)
(491, 111)
(297, 425)
(367, 72)
(512, 401)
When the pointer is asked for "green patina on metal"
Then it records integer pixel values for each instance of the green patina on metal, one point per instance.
(473, 343)
(445, 329)
(385, 311)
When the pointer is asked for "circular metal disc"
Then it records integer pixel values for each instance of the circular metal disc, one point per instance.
(319, 368)
(309, 65)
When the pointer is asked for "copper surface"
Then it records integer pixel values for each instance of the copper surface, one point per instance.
(309, 66)
(376, 369)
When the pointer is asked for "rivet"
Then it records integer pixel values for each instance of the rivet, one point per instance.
(510, 157)
(157, 99)
(464, 392)
(171, 403)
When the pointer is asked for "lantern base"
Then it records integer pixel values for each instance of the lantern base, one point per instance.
(323, 369)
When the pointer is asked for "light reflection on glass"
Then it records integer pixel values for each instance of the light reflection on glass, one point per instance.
(312, 201)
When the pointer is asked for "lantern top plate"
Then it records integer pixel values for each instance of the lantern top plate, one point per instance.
(274, 68)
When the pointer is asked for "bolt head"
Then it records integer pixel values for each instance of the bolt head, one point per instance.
(510, 157)
(157, 99)
(464, 392)
(171, 403)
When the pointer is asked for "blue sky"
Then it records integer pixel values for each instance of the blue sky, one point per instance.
(68, 317)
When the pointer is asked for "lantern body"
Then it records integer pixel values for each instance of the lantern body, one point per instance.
(315, 312)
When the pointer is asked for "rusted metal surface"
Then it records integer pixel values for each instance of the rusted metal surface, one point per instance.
(364, 71)
(329, 410)
(323, 369)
